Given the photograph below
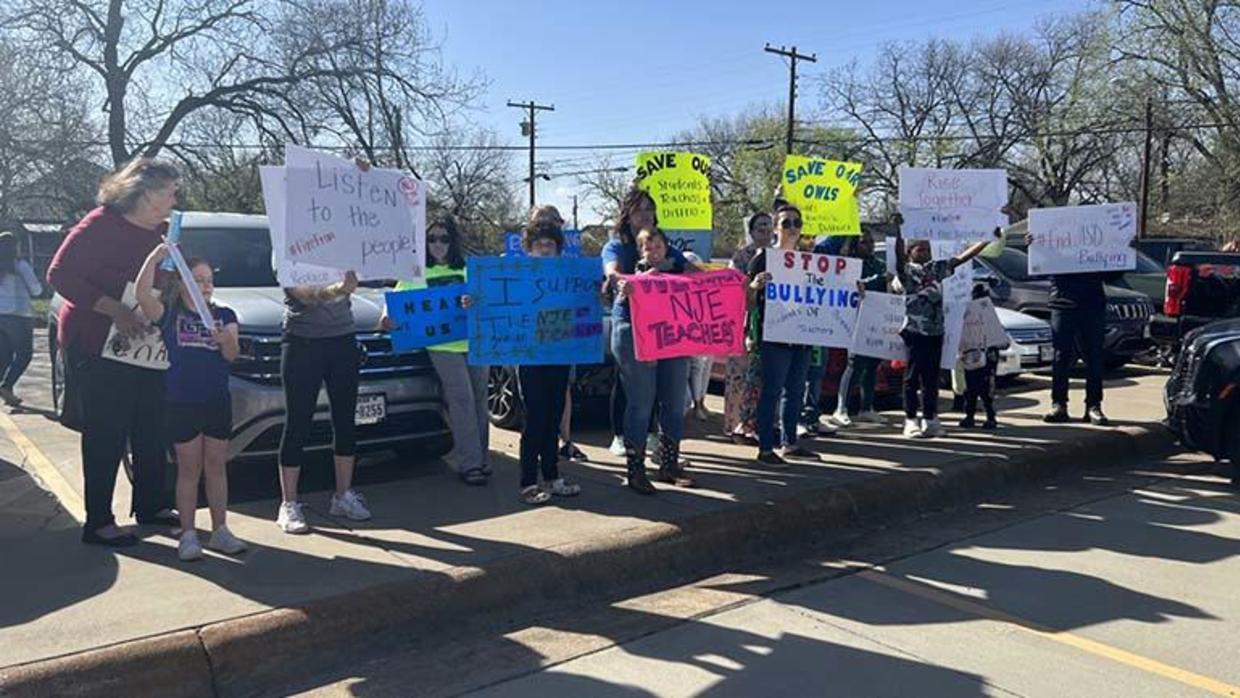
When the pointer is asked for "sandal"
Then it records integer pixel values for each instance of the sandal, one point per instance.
(533, 496)
(474, 476)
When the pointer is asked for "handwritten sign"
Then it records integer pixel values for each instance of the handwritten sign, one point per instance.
(1081, 239)
(572, 244)
(338, 216)
(951, 204)
(680, 186)
(811, 299)
(688, 314)
(146, 351)
(957, 294)
(699, 242)
(826, 193)
(877, 333)
(982, 328)
(426, 317)
(288, 273)
(535, 310)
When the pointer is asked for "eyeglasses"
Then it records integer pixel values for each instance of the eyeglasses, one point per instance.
(437, 238)
(790, 223)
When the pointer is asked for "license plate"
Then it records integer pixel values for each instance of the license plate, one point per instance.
(1046, 352)
(371, 409)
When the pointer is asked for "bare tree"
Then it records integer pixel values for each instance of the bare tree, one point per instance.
(604, 182)
(469, 178)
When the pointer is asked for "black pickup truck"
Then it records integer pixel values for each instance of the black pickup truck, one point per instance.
(1201, 287)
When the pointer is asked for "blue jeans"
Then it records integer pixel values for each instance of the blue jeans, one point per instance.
(646, 382)
(863, 370)
(783, 374)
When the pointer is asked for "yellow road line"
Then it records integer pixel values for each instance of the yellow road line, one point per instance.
(44, 470)
(1136, 661)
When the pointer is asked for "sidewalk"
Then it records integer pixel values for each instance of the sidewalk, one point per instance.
(437, 549)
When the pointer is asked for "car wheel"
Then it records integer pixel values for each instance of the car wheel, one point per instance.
(58, 372)
(504, 398)
(169, 484)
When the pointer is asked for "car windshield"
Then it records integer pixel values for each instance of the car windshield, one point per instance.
(241, 257)
(1012, 264)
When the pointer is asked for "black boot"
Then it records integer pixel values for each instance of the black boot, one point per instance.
(670, 469)
(635, 457)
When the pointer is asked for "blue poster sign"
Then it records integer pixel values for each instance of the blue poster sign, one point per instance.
(425, 317)
(535, 311)
(572, 243)
(695, 241)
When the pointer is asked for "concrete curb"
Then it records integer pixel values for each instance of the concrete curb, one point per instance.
(246, 655)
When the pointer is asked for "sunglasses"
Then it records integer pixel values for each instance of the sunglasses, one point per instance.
(788, 223)
(437, 238)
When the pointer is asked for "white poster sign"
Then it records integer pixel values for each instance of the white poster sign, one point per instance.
(957, 293)
(146, 351)
(1080, 239)
(877, 330)
(889, 255)
(288, 273)
(811, 298)
(951, 204)
(982, 328)
(187, 278)
(336, 215)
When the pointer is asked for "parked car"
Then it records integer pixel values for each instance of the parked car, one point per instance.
(400, 406)
(1149, 278)
(1202, 396)
(1128, 312)
(1201, 287)
(1162, 250)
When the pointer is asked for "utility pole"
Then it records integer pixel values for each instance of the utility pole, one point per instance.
(527, 129)
(1143, 214)
(792, 84)
(575, 226)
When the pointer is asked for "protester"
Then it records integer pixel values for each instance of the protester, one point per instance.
(320, 347)
(18, 285)
(198, 408)
(464, 385)
(783, 365)
(981, 365)
(921, 281)
(114, 403)
(740, 397)
(699, 371)
(649, 382)
(543, 391)
(862, 370)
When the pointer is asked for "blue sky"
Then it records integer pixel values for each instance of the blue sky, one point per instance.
(642, 71)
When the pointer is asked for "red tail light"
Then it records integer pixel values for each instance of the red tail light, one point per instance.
(1179, 279)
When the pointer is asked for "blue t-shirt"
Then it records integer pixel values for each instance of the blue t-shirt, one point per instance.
(625, 256)
(197, 372)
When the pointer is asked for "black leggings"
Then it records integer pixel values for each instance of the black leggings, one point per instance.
(925, 353)
(305, 365)
(543, 391)
(980, 383)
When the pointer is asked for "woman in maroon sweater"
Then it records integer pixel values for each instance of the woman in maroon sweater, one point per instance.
(100, 255)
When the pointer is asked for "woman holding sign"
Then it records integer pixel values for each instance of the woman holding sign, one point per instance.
(464, 386)
(114, 403)
(783, 365)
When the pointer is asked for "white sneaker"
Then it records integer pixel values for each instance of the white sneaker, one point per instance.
(826, 427)
(931, 428)
(870, 417)
(189, 548)
(223, 541)
(351, 505)
(290, 518)
(617, 447)
(562, 488)
(840, 419)
(912, 429)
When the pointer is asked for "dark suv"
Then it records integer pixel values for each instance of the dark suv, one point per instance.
(1202, 395)
(1128, 311)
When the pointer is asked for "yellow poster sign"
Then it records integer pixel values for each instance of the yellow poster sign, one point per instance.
(826, 193)
(680, 186)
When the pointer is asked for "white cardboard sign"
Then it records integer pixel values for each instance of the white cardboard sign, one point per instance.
(187, 278)
(877, 331)
(811, 298)
(147, 351)
(1082, 239)
(982, 328)
(951, 204)
(289, 274)
(957, 294)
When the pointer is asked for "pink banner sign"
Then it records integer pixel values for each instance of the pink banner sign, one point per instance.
(699, 314)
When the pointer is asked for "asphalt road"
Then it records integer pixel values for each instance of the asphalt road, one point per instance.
(1114, 583)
